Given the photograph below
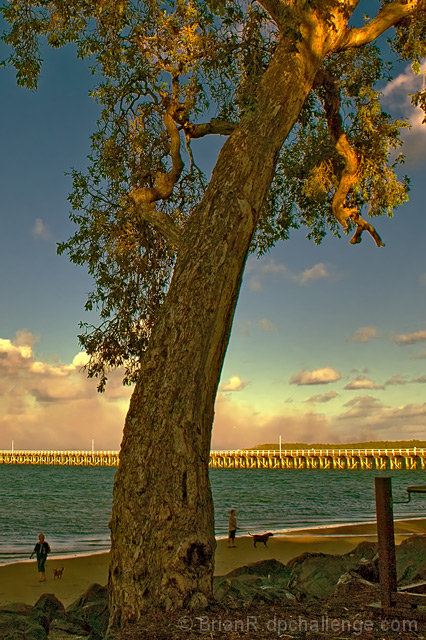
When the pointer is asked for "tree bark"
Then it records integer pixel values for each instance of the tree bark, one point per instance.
(162, 525)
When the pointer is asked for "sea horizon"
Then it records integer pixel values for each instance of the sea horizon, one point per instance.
(370, 444)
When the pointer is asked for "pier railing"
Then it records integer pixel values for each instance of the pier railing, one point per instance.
(333, 458)
(69, 457)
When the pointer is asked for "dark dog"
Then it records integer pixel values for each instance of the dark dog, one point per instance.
(261, 537)
(57, 573)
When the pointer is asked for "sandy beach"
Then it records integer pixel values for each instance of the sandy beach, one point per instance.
(19, 581)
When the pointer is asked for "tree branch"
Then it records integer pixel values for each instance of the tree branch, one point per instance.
(193, 164)
(159, 219)
(144, 197)
(388, 16)
(214, 127)
(349, 176)
(274, 8)
(179, 111)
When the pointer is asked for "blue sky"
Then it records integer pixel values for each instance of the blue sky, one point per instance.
(328, 342)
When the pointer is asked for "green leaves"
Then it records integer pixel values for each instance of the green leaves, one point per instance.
(409, 40)
(146, 55)
(309, 168)
(197, 60)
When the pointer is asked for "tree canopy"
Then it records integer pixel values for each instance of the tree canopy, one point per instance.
(294, 86)
(168, 72)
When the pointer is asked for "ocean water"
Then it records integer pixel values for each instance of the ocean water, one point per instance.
(72, 505)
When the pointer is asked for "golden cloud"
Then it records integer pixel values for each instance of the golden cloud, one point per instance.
(45, 405)
(316, 376)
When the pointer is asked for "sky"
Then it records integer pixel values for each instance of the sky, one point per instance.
(328, 342)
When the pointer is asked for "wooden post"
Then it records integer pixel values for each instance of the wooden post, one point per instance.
(386, 541)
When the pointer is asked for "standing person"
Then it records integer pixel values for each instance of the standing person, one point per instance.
(232, 527)
(41, 550)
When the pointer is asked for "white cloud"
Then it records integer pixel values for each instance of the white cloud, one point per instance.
(11, 354)
(361, 407)
(317, 376)
(41, 230)
(237, 426)
(262, 269)
(319, 271)
(80, 359)
(244, 327)
(397, 96)
(405, 83)
(255, 284)
(364, 334)
(409, 338)
(362, 383)
(45, 405)
(383, 422)
(234, 384)
(262, 325)
(23, 337)
(363, 418)
(265, 325)
(273, 267)
(44, 368)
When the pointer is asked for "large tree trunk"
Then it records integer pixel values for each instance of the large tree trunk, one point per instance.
(162, 522)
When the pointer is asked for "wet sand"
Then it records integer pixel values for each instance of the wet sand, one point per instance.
(19, 581)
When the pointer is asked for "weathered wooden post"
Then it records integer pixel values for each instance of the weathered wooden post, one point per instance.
(386, 542)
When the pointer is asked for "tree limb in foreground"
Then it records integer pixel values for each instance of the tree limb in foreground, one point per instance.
(214, 127)
(144, 197)
(349, 176)
(388, 16)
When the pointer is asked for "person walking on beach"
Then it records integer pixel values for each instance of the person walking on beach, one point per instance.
(41, 550)
(232, 527)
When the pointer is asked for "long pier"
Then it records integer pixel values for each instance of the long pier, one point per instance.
(351, 459)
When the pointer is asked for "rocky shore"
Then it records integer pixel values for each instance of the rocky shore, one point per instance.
(314, 595)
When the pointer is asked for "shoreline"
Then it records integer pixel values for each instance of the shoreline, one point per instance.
(19, 580)
(356, 529)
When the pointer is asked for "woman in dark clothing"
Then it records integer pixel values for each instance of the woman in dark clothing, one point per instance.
(41, 550)
(232, 528)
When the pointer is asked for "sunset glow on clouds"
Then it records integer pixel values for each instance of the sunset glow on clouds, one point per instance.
(234, 384)
(328, 341)
(397, 96)
(323, 397)
(363, 383)
(361, 418)
(45, 405)
(245, 425)
(317, 376)
(410, 338)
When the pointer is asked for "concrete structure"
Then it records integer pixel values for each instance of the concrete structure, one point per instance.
(372, 459)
